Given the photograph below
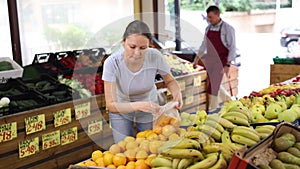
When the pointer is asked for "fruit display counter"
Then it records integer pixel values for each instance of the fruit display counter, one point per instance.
(283, 72)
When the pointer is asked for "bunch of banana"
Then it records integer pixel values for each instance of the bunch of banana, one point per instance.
(264, 131)
(245, 135)
(211, 161)
(239, 115)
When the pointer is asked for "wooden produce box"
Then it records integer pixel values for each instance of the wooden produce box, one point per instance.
(232, 81)
(89, 136)
(283, 72)
(193, 89)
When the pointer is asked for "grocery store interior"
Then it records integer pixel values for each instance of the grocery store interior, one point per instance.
(60, 58)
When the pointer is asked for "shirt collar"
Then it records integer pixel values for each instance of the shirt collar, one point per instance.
(218, 25)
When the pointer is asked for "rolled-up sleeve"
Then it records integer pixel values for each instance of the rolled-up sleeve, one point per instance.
(109, 70)
(230, 42)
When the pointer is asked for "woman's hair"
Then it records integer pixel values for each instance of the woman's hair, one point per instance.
(137, 27)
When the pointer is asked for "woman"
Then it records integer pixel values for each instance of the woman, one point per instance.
(129, 74)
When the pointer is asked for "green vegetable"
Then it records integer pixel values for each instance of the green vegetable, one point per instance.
(5, 65)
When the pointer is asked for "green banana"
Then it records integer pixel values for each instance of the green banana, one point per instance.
(291, 166)
(236, 114)
(211, 132)
(196, 135)
(183, 153)
(184, 163)
(214, 124)
(288, 158)
(263, 130)
(242, 140)
(297, 145)
(233, 146)
(175, 163)
(276, 164)
(246, 132)
(264, 166)
(208, 162)
(226, 123)
(161, 162)
(216, 147)
(161, 168)
(213, 117)
(237, 120)
(242, 110)
(225, 138)
(220, 164)
(185, 143)
(294, 151)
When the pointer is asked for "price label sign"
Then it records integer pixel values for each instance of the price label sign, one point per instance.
(28, 147)
(82, 110)
(189, 99)
(69, 136)
(62, 117)
(8, 131)
(50, 140)
(181, 85)
(35, 123)
(95, 127)
(197, 81)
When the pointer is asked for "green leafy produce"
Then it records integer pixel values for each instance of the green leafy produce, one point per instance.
(5, 65)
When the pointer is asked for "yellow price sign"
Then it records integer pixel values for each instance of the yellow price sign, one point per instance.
(181, 85)
(69, 136)
(197, 81)
(35, 123)
(189, 99)
(95, 127)
(62, 117)
(82, 110)
(28, 147)
(8, 131)
(50, 140)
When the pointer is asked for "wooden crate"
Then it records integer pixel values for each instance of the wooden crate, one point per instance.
(62, 155)
(232, 81)
(283, 72)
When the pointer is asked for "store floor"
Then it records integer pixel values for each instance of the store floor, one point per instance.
(257, 52)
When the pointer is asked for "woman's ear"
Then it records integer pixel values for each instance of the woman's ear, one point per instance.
(123, 42)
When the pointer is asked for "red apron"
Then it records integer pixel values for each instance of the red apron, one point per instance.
(216, 59)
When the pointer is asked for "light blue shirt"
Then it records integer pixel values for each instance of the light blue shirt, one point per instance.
(227, 37)
(138, 86)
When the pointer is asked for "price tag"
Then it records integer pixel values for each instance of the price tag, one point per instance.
(69, 136)
(181, 85)
(28, 147)
(62, 117)
(94, 127)
(82, 110)
(8, 131)
(50, 140)
(197, 81)
(35, 123)
(189, 99)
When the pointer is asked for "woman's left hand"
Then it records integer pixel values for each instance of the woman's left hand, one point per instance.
(178, 98)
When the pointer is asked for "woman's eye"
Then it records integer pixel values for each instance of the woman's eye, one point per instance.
(132, 47)
(143, 48)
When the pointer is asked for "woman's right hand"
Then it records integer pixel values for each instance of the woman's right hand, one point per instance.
(148, 107)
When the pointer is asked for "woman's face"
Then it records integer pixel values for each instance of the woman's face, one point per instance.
(135, 46)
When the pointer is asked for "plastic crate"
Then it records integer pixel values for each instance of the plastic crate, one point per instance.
(44, 82)
(11, 88)
(278, 60)
(15, 73)
(61, 93)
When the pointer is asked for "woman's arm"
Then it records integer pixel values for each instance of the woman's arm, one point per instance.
(122, 108)
(173, 86)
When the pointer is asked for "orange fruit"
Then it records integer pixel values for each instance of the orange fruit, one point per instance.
(129, 139)
(150, 158)
(154, 145)
(163, 120)
(139, 140)
(97, 154)
(157, 129)
(130, 154)
(121, 167)
(168, 130)
(122, 145)
(175, 122)
(144, 145)
(141, 155)
(131, 145)
(173, 136)
(81, 164)
(108, 158)
(100, 162)
(152, 136)
(115, 149)
(162, 137)
(140, 164)
(119, 159)
(111, 166)
(130, 165)
(141, 134)
(90, 163)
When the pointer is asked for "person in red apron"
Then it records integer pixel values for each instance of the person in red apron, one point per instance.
(219, 44)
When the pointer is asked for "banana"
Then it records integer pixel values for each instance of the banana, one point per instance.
(263, 130)
(213, 117)
(211, 132)
(242, 140)
(214, 124)
(180, 144)
(263, 135)
(236, 114)
(226, 123)
(216, 147)
(184, 163)
(196, 135)
(183, 153)
(233, 146)
(210, 161)
(267, 126)
(225, 138)
(175, 163)
(246, 132)
(161, 162)
(220, 164)
(237, 120)
(243, 110)
(161, 168)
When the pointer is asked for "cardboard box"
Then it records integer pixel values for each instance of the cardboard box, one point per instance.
(15, 73)
(242, 158)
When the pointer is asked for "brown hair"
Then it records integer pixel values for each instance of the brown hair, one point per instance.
(213, 9)
(137, 27)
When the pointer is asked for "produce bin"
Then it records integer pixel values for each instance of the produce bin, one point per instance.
(15, 73)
